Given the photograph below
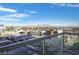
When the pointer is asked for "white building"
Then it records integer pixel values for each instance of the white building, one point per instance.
(60, 31)
(1, 28)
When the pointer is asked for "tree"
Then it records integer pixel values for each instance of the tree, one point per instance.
(21, 32)
(75, 47)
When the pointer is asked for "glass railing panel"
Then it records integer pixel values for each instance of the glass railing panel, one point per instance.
(36, 48)
(48, 45)
(29, 48)
(71, 43)
(54, 45)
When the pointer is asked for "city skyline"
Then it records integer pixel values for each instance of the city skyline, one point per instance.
(39, 13)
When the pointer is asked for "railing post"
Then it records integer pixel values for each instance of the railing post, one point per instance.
(63, 42)
(43, 46)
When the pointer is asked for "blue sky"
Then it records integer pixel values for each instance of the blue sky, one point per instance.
(39, 13)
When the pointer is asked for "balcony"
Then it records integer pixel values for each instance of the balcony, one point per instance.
(59, 44)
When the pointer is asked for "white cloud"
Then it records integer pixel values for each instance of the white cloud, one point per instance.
(19, 15)
(13, 17)
(33, 12)
(60, 4)
(67, 4)
(7, 10)
(72, 5)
